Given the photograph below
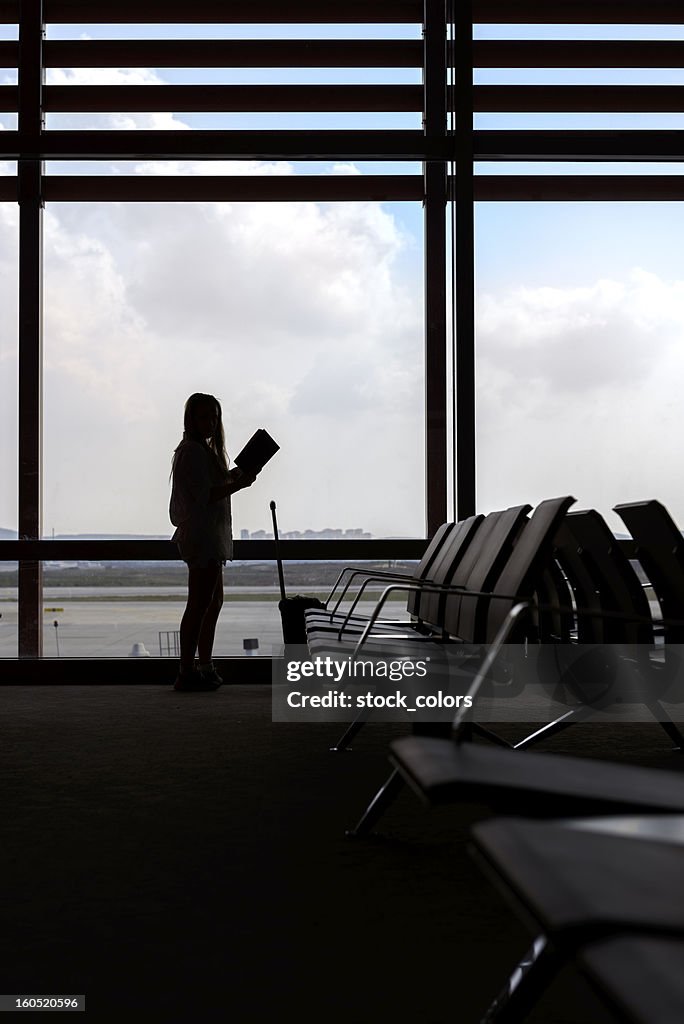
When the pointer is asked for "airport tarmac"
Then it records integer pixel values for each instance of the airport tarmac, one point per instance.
(94, 627)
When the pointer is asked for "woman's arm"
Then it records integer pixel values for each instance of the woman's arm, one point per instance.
(237, 479)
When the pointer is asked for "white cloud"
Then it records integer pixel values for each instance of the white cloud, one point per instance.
(208, 168)
(585, 339)
(579, 390)
(291, 314)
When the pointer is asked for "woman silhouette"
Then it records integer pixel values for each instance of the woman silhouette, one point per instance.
(200, 510)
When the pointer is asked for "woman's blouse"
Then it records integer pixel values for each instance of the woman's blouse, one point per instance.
(203, 528)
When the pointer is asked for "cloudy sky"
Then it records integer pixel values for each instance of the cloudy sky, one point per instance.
(306, 318)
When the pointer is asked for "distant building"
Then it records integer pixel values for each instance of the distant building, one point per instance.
(326, 534)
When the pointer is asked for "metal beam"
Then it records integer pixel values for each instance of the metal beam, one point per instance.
(435, 345)
(146, 188)
(30, 330)
(230, 98)
(561, 12)
(233, 12)
(435, 126)
(578, 53)
(488, 188)
(9, 53)
(578, 145)
(344, 145)
(626, 99)
(231, 53)
(578, 12)
(644, 99)
(377, 549)
(330, 188)
(348, 53)
(634, 188)
(464, 260)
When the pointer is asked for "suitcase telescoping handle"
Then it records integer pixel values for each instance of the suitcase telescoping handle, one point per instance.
(279, 560)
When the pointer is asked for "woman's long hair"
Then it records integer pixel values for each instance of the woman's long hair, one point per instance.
(216, 443)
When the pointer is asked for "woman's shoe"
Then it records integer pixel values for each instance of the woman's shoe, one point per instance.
(211, 676)
(193, 680)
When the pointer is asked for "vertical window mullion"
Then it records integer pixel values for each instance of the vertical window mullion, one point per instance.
(30, 123)
(435, 175)
(464, 258)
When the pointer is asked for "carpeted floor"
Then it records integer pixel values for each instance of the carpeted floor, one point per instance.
(181, 855)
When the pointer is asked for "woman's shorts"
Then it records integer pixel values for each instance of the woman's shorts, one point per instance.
(204, 563)
(198, 554)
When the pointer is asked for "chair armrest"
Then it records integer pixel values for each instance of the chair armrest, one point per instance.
(434, 588)
(376, 574)
(355, 570)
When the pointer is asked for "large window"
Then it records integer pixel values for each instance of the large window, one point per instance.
(304, 318)
(9, 351)
(580, 354)
(9, 247)
(303, 307)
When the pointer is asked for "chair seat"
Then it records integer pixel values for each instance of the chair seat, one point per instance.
(580, 884)
(638, 976)
(532, 784)
(331, 623)
(391, 644)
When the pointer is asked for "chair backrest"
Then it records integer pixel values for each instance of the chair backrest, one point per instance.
(616, 584)
(522, 572)
(464, 615)
(554, 618)
(443, 568)
(660, 550)
(423, 568)
(584, 589)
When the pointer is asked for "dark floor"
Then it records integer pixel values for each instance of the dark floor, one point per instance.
(182, 855)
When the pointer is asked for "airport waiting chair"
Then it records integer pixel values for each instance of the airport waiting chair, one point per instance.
(350, 573)
(456, 770)
(615, 660)
(640, 978)
(483, 562)
(660, 551)
(476, 567)
(502, 567)
(603, 580)
(553, 608)
(578, 886)
(420, 605)
(529, 783)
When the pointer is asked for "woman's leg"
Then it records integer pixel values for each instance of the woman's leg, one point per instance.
(205, 643)
(201, 586)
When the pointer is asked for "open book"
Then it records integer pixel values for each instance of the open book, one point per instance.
(259, 449)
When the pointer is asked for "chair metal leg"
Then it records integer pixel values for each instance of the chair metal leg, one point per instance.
(352, 729)
(666, 723)
(385, 796)
(524, 987)
(558, 725)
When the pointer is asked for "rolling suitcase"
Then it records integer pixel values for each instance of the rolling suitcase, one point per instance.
(291, 608)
